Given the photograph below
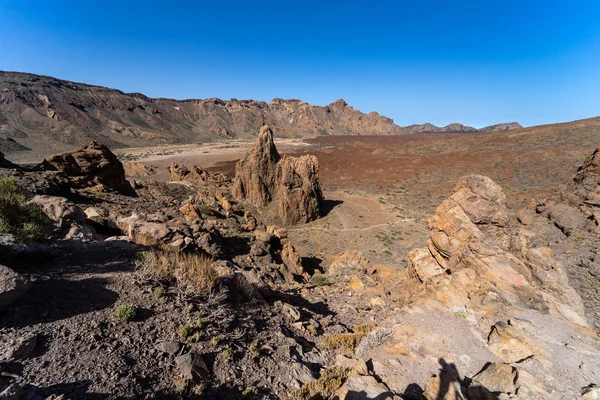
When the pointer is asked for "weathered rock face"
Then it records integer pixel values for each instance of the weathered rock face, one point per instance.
(12, 286)
(299, 194)
(68, 220)
(262, 176)
(137, 170)
(90, 166)
(256, 173)
(565, 229)
(468, 259)
(121, 120)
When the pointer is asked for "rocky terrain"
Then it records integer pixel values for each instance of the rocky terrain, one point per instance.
(120, 287)
(40, 113)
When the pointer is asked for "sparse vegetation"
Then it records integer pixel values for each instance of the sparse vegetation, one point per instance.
(23, 221)
(204, 210)
(319, 279)
(330, 380)
(250, 393)
(253, 348)
(125, 312)
(184, 331)
(345, 343)
(159, 292)
(192, 273)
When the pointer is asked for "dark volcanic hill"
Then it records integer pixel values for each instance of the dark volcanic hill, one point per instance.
(46, 114)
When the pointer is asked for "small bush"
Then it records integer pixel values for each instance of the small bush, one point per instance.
(193, 273)
(323, 388)
(250, 393)
(253, 348)
(159, 292)
(345, 343)
(204, 210)
(23, 221)
(125, 312)
(185, 331)
(319, 279)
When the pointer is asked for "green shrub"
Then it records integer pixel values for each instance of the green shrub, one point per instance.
(23, 221)
(250, 393)
(319, 279)
(185, 331)
(325, 387)
(205, 210)
(125, 312)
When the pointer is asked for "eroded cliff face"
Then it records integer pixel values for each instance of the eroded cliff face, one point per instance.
(45, 113)
(263, 176)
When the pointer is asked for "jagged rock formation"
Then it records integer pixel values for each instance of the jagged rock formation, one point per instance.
(485, 301)
(569, 223)
(263, 176)
(93, 165)
(468, 258)
(180, 173)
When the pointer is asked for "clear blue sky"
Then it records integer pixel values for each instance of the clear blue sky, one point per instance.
(475, 62)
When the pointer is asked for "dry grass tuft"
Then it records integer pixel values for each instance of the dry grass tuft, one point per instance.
(192, 273)
(345, 343)
(325, 387)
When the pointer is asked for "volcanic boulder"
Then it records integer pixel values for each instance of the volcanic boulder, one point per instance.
(263, 176)
(90, 166)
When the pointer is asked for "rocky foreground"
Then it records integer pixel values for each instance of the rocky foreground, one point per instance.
(141, 289)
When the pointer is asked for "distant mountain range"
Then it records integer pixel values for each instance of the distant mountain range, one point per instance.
(48, 114)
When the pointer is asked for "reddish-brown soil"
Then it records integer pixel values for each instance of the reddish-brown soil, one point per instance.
(404, 178)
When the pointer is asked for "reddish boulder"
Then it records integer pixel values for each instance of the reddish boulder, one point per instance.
(90, 166)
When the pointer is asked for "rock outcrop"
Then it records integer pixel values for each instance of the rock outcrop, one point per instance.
(469, 261)
(12, 286)
(180, 173)
(486, 307)
(91, 166)
(68, 221)
(263, 176)
(568, 225)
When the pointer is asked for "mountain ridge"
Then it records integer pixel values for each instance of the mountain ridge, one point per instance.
(41, 112)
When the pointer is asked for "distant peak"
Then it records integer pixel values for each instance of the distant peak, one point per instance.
(339, 102)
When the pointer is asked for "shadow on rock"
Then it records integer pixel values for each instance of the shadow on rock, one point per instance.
(328, 206)
(56, 299)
